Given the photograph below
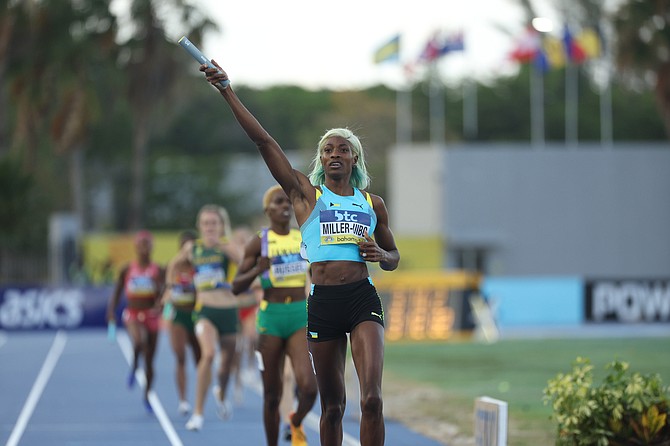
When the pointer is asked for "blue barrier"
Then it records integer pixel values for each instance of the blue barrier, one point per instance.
(531, 301)
(45, 308)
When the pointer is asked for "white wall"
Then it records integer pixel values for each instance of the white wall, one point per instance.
(416, 189)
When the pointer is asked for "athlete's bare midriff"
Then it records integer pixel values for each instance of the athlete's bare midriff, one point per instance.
(282, 295)
(141, 303)
(338, 272)
(218, 298)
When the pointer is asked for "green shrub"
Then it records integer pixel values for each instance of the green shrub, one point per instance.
(625, 409)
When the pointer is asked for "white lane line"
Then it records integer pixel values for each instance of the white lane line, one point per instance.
(312, 420)
(38, 387)
(127, 349)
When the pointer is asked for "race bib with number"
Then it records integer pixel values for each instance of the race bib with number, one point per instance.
(208, 277)
(339, 227)
(141, 286)
(288, 267)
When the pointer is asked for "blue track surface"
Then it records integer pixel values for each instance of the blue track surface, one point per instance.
(69, 388)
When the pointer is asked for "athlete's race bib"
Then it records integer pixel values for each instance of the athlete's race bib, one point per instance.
(287, 267)
(141, 286)
(209, 277)
(182, 292)
(339, 227)
(182, 295)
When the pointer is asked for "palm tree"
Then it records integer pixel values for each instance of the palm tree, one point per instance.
(6, 31)
(21, 75)
(88, 50)
(152, 67)
(50, 55)
(643, 49)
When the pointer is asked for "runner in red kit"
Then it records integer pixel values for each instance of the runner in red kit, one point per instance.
(142, 283)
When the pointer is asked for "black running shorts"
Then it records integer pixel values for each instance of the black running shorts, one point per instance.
(334, 310)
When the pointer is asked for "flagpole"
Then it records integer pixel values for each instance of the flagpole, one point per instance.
(390, 51)
(404, 115)
(470, 124)
(606, 138)
(536, 107)
(606, 128)
(436, 106)
(571, 104)
(434, 49)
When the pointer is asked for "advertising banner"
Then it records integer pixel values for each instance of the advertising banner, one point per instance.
(627, 301)
(46, 308)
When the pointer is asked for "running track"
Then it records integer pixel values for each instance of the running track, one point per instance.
(68, 388)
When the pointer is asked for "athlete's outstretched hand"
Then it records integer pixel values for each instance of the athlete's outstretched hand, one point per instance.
(214, 75)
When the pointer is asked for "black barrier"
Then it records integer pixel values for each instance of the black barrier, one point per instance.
(627, 300)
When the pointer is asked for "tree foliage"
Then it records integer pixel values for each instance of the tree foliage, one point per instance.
(23, 215)
(151, 65)
(643, 48)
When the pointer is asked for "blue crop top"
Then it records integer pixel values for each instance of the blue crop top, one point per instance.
(336, 225)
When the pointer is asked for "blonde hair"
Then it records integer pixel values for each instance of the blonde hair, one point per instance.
(222, 214)
(359, 174)
(267, 196)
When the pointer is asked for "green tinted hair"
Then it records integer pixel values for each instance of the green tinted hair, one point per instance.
(221, 212)
(359, 174)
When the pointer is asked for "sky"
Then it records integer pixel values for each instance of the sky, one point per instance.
(330, 45)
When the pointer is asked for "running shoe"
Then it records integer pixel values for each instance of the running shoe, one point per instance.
(184, 408)
(195, 422)
(286, 434)
(131, 379)
(298, 437)
(223, 408)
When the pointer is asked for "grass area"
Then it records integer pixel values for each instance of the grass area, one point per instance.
(516, 371)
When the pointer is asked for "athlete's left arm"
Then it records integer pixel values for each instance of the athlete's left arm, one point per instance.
(169, 276)
(382, 249)
(250, 267)
(160, 286)
(233, 251)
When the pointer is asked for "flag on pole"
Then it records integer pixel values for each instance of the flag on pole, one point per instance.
(553, 48)
(541, 61)
(527, 46)
(388, 52)
(589, 41)
(454, 42)
(575, 53)
(530, 49)
(432, 49)
(438, 46)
